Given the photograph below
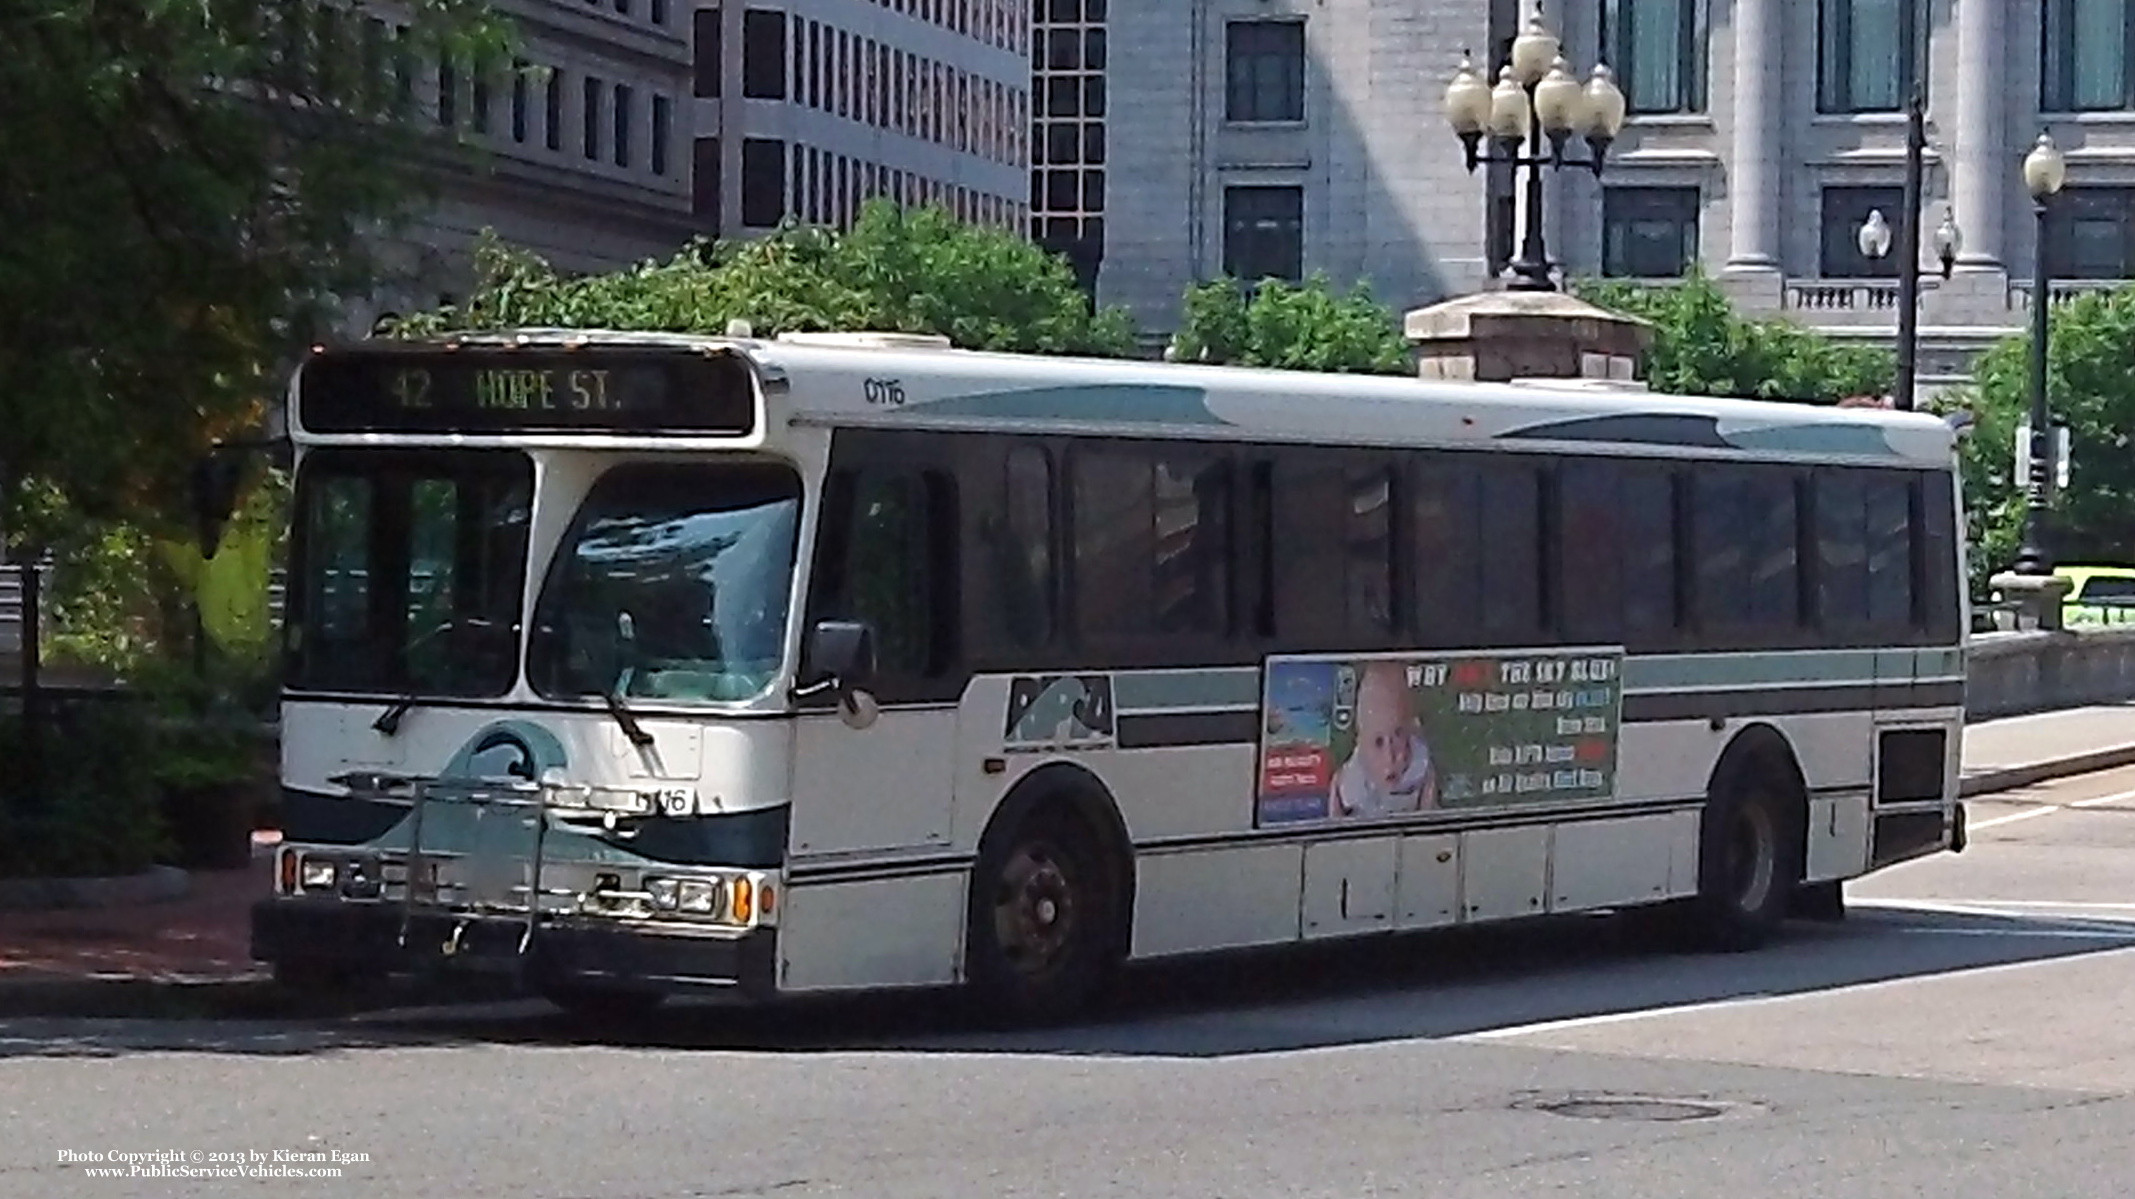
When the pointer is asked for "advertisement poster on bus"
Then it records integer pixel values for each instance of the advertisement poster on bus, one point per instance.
(1363, 738)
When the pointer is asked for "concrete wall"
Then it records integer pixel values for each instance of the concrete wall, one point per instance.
(2012, 673)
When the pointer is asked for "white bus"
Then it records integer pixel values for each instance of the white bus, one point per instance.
(648, 664)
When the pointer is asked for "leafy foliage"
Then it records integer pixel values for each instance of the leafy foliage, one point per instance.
(101, 816)
(1307, 326)
(1702, 346)
(2090, 368)
(895, 270)
(189, 186)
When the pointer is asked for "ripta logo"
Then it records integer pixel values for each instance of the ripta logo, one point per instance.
(1058, 710)
(513, 750)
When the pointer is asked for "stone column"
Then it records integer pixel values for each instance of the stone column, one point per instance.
(1984, 173)
(1760, 113)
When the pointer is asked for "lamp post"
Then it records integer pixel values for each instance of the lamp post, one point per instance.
(2045, 170)
(1537, 102)
(1875, 240)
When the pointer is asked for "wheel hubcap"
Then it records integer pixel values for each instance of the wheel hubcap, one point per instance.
(1034, 909)
(1751, 856)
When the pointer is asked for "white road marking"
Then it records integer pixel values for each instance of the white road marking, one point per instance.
(1576, 1022)
(2049, 809)
(1985, 908)
(2067, 905)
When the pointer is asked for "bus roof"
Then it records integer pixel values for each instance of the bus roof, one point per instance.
(898, 380)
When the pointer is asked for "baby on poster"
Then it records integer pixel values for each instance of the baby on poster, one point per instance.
(1390, 770)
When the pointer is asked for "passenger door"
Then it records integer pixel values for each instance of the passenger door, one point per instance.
(886, 555)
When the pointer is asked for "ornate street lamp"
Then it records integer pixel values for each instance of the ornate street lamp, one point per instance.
(1875, 239)
(1537, 103)
(2045, 171)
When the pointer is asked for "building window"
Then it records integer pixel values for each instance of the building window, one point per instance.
(552, 111)
(1649, 232)
(763, 182)
(709, 55)
(590, 118)
(1845, 210)
(704, 183)
(663, 123)
(763, 54)
(1657, 49)
(2084, 51)
(1263, 233)
(520, 99)
(624, 97)
(1265, 61)
(2090, 234)
(1867, 54)
(448, 94)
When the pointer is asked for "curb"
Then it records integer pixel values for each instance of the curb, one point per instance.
(140, 997)
(2009, 778)
(157, 884)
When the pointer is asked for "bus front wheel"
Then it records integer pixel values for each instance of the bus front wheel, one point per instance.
(1747, 860)
(1043, 918)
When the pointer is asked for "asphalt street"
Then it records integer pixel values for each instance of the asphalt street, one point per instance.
(1963, 1033)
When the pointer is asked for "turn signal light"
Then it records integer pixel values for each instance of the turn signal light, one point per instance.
(743, 904)
(288, 872)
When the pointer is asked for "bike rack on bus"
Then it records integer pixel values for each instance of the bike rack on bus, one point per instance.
(546, 798)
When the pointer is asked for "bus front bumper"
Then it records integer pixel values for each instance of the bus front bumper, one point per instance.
(367, 938)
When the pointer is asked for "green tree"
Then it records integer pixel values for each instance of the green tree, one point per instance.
(190, 185)
(1703, 346)
(2090, 371)
(1308, 326)
(895, 270)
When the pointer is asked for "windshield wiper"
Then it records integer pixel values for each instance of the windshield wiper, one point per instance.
(388, 721)
(624, 717)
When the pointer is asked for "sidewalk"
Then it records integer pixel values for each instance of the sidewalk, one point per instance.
(204, 938)
(2001, 755)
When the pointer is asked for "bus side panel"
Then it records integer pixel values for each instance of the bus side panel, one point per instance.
(881, 932)
(1229, 898)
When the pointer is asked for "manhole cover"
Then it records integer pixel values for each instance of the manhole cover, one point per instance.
(1628, 1107)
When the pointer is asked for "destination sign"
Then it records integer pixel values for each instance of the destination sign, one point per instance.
(526, 391)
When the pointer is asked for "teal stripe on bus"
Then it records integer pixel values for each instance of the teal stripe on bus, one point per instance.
(1154, 690)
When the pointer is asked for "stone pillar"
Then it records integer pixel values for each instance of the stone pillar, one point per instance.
(1499, 336)
(1984, 173)
(1760, 113)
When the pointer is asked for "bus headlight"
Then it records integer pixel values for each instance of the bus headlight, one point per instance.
(317, 874)
(662, 891)
(698, 897)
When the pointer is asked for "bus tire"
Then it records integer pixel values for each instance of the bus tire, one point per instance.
(1042, 935)
(1748, 856)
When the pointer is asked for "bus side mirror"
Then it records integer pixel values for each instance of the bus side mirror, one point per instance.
(839, 655)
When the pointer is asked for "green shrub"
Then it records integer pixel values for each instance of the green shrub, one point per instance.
(100, 813)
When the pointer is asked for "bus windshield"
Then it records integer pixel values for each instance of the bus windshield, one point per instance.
(671, 585)
(408, 571)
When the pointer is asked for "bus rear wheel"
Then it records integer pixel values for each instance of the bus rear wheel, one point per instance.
(1043, 919)
(1747, 860)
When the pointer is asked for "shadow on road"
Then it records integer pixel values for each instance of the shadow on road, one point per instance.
(1423, 986)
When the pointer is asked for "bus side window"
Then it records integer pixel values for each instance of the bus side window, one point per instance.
(1015, 543)
(1748, 555)
(1937, 552)
(1511, 538)
(892, 565)
(1591, 550)
(1445, 566)
(1652, 614)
